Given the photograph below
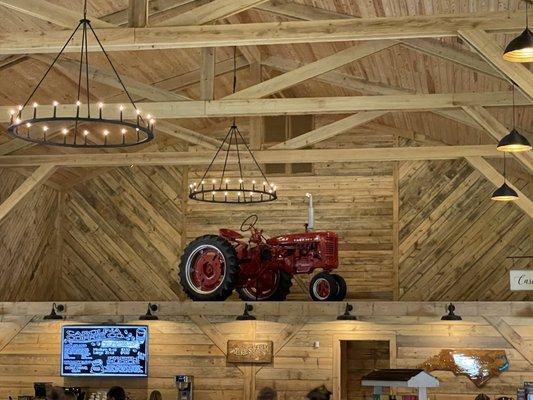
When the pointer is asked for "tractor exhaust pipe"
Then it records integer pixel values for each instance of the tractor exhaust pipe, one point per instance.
(310, 214)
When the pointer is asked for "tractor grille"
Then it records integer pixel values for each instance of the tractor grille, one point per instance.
(331, 247)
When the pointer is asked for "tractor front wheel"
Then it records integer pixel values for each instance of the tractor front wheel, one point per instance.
(271, 285)
(209, 269)
(324, 287)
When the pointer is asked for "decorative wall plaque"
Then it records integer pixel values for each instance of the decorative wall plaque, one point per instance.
(478, 365)
(250, 351)
(521, 279)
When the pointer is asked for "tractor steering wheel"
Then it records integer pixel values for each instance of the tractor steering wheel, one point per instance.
(249, 223)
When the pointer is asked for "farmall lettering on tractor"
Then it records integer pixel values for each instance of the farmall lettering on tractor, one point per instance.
(212, 266)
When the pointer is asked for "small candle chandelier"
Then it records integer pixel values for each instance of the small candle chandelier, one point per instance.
(79, 128)
(224, 189)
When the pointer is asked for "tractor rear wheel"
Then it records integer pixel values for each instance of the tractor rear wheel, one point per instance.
(209, 269)
(341, 294)
(323, 287)
(272, 285)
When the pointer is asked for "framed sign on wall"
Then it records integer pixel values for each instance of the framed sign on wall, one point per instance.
(250, 351)
(521, 279)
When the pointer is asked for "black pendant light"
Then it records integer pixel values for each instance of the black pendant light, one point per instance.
(77, 127)
(504, 192)
(347, 316)
(520, 49)
(246, 316)
(514, 142)
(451, 316)
(223, 189)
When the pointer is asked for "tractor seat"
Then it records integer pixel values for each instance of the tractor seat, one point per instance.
(230, 234)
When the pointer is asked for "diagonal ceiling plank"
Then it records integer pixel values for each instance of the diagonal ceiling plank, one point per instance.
(210, 12)
(52, 13)
(311, 70)
(329, 131)
(40, 175)
(496, 178)
(487, 48)
(425, 45)
(512, 337)
(497, 130)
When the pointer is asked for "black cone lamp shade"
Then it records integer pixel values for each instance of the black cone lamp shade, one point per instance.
(451, 316)
(504, 193)
(246, 316)
(347, 316)
(514, 142)
(520, 49)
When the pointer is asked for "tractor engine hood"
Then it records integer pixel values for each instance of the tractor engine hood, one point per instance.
(300, 238)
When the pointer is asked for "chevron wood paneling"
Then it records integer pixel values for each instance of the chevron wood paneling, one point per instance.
(453, 240)
(28, 243)
(122, 235)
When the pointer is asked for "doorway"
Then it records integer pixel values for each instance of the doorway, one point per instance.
(359, 357)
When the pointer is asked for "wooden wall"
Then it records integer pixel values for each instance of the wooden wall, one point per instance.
(122, 235)
(28, 243)
(184, 342)
(453, 239)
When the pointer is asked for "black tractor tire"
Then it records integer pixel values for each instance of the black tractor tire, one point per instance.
(230, 276)
(279, 294)
(323, 287)
(341, 294)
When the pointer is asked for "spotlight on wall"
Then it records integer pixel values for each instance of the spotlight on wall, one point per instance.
(347, 316)
(55, 309)
(246, 313)
(451, 316)
(149, 316)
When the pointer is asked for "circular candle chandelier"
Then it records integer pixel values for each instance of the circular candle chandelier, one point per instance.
(79, 128)
(222, 189)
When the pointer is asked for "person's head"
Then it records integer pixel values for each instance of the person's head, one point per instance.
(116, 393)
(156, 395)
(267, 394)
(55, 393)
(320, 393)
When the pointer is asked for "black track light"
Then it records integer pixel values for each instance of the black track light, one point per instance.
(55, 309)
(246, 313)
(451, 316)
(149, 316)
(347, 316)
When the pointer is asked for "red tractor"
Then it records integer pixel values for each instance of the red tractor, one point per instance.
(212, 266)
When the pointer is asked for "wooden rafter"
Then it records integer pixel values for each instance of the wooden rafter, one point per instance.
(497, 130)
(301, 106)
(492, 53)
(330, 130)
(267, 156)
(120, 39)
(32, 182)
(496, 178)
(311, 70)
(512, 337)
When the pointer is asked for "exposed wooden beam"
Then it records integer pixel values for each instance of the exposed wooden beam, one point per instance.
(265, 157)
(487, 48)
(137, 13)
(311, 70)
(10, 61)
(188, 135)
(49, 12)
(121, 39)
(512, 337)
(329, 131)
(207, 74)
(496, 178)
(497, 130)
(11, 328)
(210, 12)
(427, 46)
(300, 106)
(32, 182)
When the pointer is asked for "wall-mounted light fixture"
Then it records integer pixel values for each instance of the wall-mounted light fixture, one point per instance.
(55, 309)
(149, 316)
(451, 316)
(347, 316)
(246, 313)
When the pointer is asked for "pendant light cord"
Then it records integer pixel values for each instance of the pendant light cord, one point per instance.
(514, 110)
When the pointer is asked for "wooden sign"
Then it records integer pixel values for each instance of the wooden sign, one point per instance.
(521, 279)
(250, 351)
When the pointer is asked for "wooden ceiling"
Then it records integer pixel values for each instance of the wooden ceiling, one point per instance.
(399, 68)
